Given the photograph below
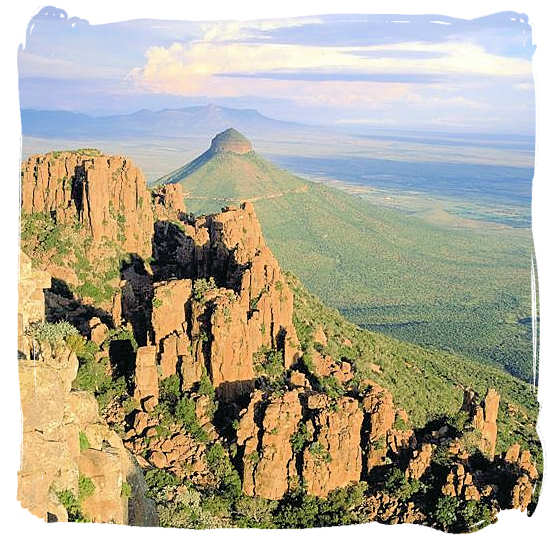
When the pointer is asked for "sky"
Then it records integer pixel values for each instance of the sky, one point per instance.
(354, 71)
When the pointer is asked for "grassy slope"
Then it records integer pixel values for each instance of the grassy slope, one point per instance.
(425, 383)
(461, 290)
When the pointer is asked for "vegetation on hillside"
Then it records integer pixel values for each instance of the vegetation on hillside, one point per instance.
(462, 290)
(426, 383)
(49, 243)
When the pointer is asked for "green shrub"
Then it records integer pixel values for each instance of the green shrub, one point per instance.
(121, 334)
(129, 405)
(93, 376)
(83, 440)
(475, 515)
(297, 510)
(300, 438)
(86, 487)
(398, 485)
(222, 468)
(460, 421)
(340, 507)
(185, 413)
(254, 512)
(158, 479)
(54, 334)
(446, 511)
(400, 424)
(41, 236)
(96, 292)
(85, 350)
(268, 363)
(72, 505)
(317, 450)
(201, 286)
(331, 386)
(169, 389)
(206, 387)
(126, 490)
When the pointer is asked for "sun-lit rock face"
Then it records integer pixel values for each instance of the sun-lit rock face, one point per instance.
(106, 194)
(484, 418)
(219, 391)
(247, 306)
(232, 141)
(56, 420)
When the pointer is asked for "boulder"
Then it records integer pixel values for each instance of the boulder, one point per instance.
(98, 331)
(146, 377)
(420, 461)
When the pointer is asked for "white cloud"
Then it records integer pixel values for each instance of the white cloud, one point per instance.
(241, 30)
(192, 68)
(180, 67)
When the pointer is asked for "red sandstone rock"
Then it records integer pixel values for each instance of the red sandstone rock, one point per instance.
(419, 462)
(460, 484)
(98, 331)
(484, 418)
(251, 306)
(378, 405)
(325, 366)
(168, 202)
(522, 493)
(146, 377)
(333, 460)
(106, 194)
(170, 300)
(319, 336)
(268, 476)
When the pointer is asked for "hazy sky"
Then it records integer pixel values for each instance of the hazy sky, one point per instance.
(395, 71)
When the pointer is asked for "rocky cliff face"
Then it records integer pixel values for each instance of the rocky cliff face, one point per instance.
(66, 443)
(484, 418)
(168, 202)
(232, 141)
(232, 302)
(197, 358)
(266, 428)
(31, 307)
(107, 195)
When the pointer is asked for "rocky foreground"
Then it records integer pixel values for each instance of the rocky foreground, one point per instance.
(159, 350)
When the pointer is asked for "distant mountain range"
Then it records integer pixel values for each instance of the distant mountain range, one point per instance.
(168, 123)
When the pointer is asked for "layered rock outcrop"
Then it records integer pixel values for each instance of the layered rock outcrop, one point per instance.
(232, 141)
(31, 305)
(146, 377)
(525, 476)
(333, 460)
(168, 202)
(299, 436)
(265, 433)
(64, 439)
(107, 195)
(232, 301)
(380, 416)
(484, 418)
(460, 484)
